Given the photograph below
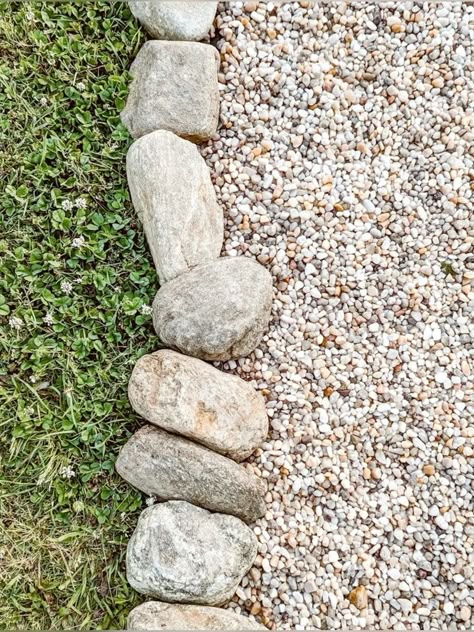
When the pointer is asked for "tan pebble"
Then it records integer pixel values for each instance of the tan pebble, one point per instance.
(376, 474)
(250, 6)
(358, 597)
(396, 28)
(428, 469)
(465, 613)
(465, 368)
(271, 33)
(438, 82)
(256, 608)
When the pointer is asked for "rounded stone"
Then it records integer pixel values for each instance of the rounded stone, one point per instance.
(169, 467)
(176, 19)
(174, 88)
(174, 198)
(184, 554)
(215, 312)
(155, 615)
(192, 398)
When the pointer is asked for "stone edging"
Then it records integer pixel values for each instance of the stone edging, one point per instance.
(202, 422)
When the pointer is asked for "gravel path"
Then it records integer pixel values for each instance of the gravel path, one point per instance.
(345, 165)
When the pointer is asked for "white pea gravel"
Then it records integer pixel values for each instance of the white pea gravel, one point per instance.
(345, 164)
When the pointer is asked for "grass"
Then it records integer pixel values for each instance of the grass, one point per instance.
(75, 274)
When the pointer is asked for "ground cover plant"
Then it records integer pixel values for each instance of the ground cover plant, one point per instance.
(76, 283)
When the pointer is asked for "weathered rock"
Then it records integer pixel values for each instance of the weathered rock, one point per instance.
(155, 615)
(175, 20)
(181, 553)
(174, 88)
(173, 468)
(174, 198)
(191, 398)
(217, 311)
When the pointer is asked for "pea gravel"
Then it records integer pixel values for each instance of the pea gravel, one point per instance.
(344, 163)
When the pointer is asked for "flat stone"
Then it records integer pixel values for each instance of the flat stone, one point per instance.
(192, 398)
(155, 615)
(174, 198)
(174, 88)
(175, 20)
(185, 554)
(173, 468)
(218, 311)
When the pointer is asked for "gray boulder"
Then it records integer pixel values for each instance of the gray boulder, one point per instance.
(174, 198)
(192, 398)
(155, 615)
(185, 554)
(174, 88)
(175, 19)
(173, 468)
(217, 311)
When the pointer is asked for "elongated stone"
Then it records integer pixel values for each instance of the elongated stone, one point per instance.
(185, 554)
(175, 19)
(173, 468)
(217, 311)
(156, 615)
(174, 198)
(174, 88)
(192, 398)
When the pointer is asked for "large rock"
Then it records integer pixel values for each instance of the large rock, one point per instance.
(191, 398)
(175, 88)
(155, 615)
(217, 311)
(185, 554)
(175, 19)
(173, 468)
(174, 198)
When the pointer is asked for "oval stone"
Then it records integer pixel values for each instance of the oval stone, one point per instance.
(218, 311)
(175, 19)
(174, 88)
(174, 198)
(155, 615)
(173, 468)
(185, 554)
(192, 398)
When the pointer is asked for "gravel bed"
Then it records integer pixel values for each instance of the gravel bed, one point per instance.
(344, 163)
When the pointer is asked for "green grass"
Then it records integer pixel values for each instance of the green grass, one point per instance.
(71, 321)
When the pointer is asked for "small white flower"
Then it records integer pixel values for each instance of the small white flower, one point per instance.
(81, 86)
(146, 310)
(32, 379)
(66, 287)
(67, 205)
(15, 323)
(78, 242)
(80, 202)
(150, 501)
(48, 319)
(42, 478)
(44, 101)
(67, 472)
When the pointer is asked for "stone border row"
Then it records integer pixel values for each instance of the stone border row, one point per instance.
(191, 550)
